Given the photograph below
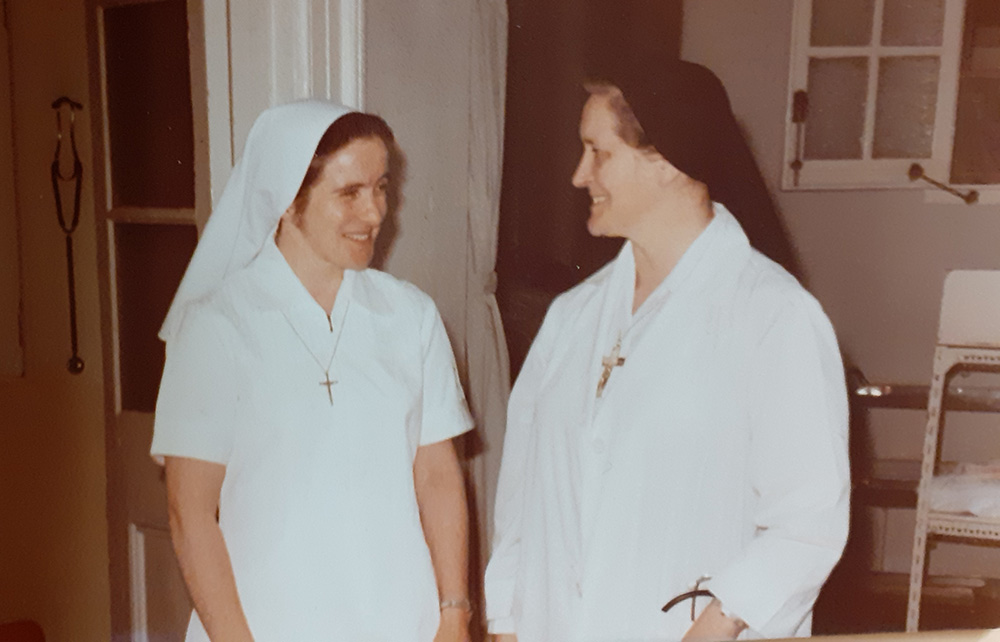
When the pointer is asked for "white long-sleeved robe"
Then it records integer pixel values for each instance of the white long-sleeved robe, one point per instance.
(718, 448)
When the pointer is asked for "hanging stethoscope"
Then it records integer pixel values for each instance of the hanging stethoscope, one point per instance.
(75, 363)
(692, 595)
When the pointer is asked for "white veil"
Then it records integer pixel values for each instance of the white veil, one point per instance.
(263, 184)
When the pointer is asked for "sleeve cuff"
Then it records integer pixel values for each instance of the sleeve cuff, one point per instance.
(748, 590)
(458, 424)
(773, 591)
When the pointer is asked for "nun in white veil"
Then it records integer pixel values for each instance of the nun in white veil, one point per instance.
(308, 403)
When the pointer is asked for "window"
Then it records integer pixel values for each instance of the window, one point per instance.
(880, 85)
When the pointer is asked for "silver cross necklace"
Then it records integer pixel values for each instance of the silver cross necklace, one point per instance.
(327, 382)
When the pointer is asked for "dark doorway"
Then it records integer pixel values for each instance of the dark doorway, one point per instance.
(544, 246)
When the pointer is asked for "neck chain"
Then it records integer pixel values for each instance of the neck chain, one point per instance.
(327, 382)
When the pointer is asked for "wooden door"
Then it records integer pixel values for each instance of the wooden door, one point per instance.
(151, 188)
(11, 357)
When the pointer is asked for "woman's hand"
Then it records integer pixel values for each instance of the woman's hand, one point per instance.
(713, 624)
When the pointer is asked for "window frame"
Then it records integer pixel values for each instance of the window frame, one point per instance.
(866, 172)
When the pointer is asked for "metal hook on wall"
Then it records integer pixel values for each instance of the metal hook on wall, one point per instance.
(916, 172)
(75, 364)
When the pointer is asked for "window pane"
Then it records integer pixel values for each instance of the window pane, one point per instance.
(837, 98)
(841, 22)
(905, 107)
(976, 158)
(976, 155)
(913, 23)
(149, 105)
(149, 262)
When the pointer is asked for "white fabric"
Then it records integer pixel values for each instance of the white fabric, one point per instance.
(719, 448)
(975, 492)
(486, 347)
(262, 185)
(318, 508)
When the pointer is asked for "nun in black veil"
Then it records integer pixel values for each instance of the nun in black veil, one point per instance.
(679, 427)
(687, 117)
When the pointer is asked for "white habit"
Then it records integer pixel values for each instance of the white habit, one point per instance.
(719, 448)
(318, 508)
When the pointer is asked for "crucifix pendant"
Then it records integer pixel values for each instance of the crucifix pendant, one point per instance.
(610, 362)
(329, 383)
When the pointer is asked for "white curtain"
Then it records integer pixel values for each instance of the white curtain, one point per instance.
(486, 347)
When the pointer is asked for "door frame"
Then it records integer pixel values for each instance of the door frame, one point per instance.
(207, 23)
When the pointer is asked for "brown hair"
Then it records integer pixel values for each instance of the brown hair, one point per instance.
(628, 127)
(339, 134)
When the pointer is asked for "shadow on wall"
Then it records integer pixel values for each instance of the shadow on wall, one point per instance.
(389, 230)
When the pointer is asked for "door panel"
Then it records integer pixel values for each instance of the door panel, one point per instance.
(11, 357)
(150, 259)
(145, 107)
(148, 90)
(160, 605)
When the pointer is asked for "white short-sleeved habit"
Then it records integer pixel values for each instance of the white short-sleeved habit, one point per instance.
(318, 508)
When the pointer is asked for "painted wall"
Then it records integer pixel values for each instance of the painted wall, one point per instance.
(875, 259)
(416, 77)
(53, 534)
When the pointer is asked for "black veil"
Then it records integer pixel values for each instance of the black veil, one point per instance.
(686, 115)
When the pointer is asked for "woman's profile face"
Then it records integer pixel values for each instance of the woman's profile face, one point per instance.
(612, 172)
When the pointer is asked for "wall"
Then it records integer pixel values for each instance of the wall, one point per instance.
(53, 534)
(417, 78)
(875, 259)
